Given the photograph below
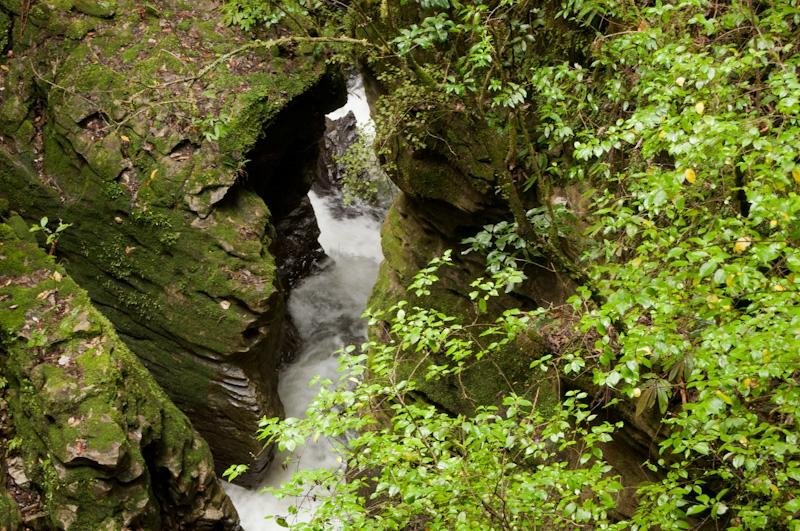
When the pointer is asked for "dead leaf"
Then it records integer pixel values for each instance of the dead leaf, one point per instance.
(83, 323)
(46, 293)
(742, 244)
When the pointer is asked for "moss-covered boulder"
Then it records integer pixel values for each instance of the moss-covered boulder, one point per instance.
(97, 439)
(449, 191)
(133, 122)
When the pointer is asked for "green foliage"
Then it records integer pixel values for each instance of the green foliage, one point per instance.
(301, 15)
(248, 14)
(214, 128)
(408, 463)
(698, 253)
(234, 471)
(14, 443)
(51, 235)
(682, 116)
(362, 177)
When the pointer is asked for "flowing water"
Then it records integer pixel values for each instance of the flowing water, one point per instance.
(357, 103)
(326, 308)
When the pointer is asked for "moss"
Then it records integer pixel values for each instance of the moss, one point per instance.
(96, 8)
(5, 30)
(16, 97)
(13, 109)
(51, 17)
(85, 408)
(25, 133)
(113, 191)
(78, 27)
(140, 305)
(20, 227)
(10, 517)
(152, 218)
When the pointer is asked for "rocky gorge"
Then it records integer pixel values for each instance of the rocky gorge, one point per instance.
(165, 173)
(181, 159)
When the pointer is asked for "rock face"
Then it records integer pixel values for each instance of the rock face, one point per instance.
(448, 192)
(340, 134)
(99, 444)
(129, 121)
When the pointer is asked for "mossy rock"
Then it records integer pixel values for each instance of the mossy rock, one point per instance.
(487, 381)
(133, 134)
(100, 440)
(10, 517)
(51, 18)
(414, 233)
(459, 171)
(96, 8)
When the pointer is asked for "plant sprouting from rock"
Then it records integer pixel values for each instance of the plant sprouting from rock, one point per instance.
(51, 235)
(363, 179)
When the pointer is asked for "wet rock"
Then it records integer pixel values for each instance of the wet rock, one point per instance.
(16, 470)
(296, 247)
(340, 134)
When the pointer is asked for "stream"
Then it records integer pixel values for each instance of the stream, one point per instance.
(326, 308)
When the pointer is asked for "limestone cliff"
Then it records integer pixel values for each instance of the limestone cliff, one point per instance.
(134, 122)
(90, 441)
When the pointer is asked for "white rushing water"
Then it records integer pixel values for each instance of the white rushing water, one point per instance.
(357, 103)
(326, 308)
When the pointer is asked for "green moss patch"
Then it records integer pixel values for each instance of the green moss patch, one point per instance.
(87, 411)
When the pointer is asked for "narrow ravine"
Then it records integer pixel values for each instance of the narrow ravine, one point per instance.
(327, 308)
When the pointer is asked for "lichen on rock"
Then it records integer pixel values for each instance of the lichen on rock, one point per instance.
(104, 447)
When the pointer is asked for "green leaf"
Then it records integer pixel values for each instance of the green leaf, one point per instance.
(708, 267)
(696, 509)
